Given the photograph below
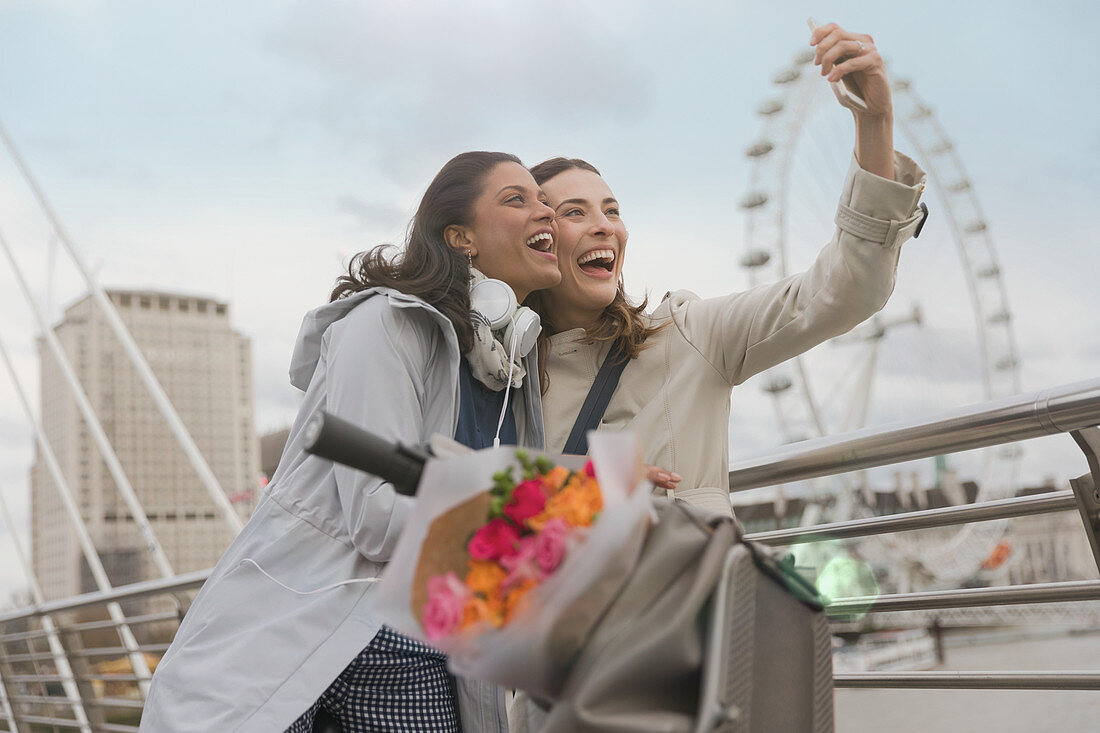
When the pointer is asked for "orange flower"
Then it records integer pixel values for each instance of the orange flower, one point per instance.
(513, 601)
(555, 478)
(588, 492)
(478, 610)
(484, 576)
(577, 503)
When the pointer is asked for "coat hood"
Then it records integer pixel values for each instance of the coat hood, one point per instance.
(307, 347)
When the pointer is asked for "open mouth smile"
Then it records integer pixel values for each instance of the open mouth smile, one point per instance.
(541, 242)
(598, 262)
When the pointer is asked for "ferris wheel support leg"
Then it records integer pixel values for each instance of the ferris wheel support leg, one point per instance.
(1086, 488)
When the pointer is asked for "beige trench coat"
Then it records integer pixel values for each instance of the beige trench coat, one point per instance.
(676, 395)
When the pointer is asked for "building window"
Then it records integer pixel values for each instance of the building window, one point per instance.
(220, 309)
(146, 301)
(124, 300)
(164, 303)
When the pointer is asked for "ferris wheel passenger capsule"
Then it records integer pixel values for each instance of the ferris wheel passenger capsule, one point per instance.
(757, 149)
(756, 258)
(787, 76)
(754, 200)
(804, 57)
(778, 384)
(770, 107)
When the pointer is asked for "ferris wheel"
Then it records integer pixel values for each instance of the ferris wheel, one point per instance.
(954, 326)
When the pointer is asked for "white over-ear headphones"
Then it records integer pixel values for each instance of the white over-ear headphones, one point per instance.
(496, 302)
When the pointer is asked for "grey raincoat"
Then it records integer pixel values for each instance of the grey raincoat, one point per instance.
(252, 655)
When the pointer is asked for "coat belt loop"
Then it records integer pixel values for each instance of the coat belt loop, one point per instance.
(892, 233)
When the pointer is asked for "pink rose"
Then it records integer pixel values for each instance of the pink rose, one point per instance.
(527, 501)
(552, 544)
(447, 595)
(589, 470)
(495, 539)
(521, 564)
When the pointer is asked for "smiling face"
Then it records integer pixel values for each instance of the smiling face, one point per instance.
(591, 242)
(511, 233)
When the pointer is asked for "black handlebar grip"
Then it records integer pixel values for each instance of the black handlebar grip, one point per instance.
(338, 440)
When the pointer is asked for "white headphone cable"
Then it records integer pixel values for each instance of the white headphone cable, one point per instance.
(278, 582)
(507, 387)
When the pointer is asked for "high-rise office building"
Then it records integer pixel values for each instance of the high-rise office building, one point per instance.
(205, 368)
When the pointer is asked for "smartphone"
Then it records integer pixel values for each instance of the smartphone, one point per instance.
(844, 95)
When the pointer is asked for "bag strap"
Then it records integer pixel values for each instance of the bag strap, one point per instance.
(782, 571)
(595, 404)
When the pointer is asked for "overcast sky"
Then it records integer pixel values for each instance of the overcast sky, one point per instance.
(245, 150)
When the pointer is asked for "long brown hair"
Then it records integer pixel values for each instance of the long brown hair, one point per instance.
(621, 321)
(427, 267)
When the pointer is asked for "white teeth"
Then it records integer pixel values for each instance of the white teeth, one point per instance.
(544, 236)
(597, 254)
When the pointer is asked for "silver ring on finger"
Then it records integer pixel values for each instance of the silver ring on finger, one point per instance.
(860, 48)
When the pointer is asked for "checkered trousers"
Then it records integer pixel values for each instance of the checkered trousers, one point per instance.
(395, 684)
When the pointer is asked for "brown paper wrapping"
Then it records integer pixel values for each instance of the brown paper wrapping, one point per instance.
(444, 547)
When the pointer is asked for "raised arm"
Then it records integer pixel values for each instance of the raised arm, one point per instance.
(852, 59)
(745, 333)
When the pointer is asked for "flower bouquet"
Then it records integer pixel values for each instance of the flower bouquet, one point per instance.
(511, 558)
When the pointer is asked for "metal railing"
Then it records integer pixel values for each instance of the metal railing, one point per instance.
(33, 696)
(110, 693)
(1073, 409)
(1065, 409)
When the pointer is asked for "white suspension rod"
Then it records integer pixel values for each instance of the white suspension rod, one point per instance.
(94, 425)
(64, 670)
(137, 659)
(175, 424)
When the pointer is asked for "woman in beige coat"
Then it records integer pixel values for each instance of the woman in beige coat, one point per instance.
(687, 354)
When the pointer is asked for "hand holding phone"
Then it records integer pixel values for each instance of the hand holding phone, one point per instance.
(845, 96)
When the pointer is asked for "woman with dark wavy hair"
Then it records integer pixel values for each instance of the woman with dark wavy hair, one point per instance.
(686, 356)
(282, 628)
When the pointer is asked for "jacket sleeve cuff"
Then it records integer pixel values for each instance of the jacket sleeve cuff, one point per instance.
(879, 210)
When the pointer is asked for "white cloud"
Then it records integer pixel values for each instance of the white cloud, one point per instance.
(406, 85)
(371, 214)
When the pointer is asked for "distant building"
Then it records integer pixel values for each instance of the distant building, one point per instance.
(1043, 548)
(205, 368)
